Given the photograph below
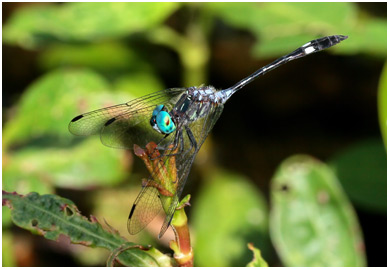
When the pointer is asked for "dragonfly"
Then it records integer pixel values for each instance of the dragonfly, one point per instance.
(176, 119)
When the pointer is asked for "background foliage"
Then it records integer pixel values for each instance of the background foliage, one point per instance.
(60, 60)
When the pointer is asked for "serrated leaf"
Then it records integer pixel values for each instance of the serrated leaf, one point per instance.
(311, 221)
(50, 216)
(229, 213)
(32, 27)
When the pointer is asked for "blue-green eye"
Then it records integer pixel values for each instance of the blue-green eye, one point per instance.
(157, 110)
(153, 120)
(165, 123)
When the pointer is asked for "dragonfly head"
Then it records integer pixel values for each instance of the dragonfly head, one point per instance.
(161, 121)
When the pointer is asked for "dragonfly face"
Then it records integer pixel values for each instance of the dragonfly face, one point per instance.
(189, 112)
(161, 121)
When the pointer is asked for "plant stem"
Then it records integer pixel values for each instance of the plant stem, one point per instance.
(183, 253)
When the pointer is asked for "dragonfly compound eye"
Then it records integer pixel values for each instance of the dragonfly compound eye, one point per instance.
(153, 120)
(158, 109)
(165, 123)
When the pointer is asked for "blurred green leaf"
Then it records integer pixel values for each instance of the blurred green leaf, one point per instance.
(257, 261)
(84, 165)
(41, 121)
(51, 216)
(283, 27)
(368, 36)
(49, 104)
(138, 84)
(109, 57)
(229, 213)
(362, 170)
(8, 256)
(19, 175)
(284, 17)
(311, 221)
(31, 27)
(382, 110)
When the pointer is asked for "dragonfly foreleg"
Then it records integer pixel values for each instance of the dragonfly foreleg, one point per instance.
(192, 139)
(175, 143)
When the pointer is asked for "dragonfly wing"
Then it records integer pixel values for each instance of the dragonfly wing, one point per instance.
(146, 206)
(122, 125)
(148, 203)
(130, 128)
(200, 129)
(92, 122)
(172, 208)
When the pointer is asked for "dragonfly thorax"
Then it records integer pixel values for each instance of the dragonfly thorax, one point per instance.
(161, 121)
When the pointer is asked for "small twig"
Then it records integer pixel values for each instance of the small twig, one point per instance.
(114, 254)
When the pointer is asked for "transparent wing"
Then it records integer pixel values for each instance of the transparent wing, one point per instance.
(146, 206)
(123, 125)
(200, 129)
(148, 203)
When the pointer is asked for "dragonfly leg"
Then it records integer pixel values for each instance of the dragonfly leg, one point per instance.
(160, 141)
(175, 145)
(192, 139)
(179, 137)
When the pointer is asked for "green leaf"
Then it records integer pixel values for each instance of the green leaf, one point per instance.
(369, 36)
(50, 216)
(229, 213)
(362, 170)
(40, 125)
(382, 110)
(109, 57)
(19, 175)
(49, 104)
(282, 27)
(257, 261)
(286, 19)
(35, 169)
(32, 27)
(311, 221)
(138, 84)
